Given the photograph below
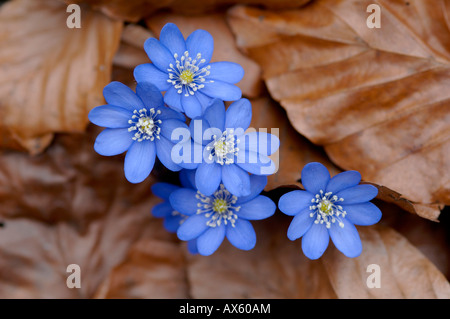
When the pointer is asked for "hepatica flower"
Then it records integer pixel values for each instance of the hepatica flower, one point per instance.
(183, 69)
(230, 154)
(329, 208)
(212, 218)
(138, 123)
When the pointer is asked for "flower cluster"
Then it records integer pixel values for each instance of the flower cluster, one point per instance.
(223, 163)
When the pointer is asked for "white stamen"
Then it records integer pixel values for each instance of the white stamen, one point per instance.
(223, 149)
(326, 209)
(146, 125)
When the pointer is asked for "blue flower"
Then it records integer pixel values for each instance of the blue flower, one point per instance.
(172, 218)
(212, 218)
(182, 68)
(138, 123)
(329, 208)
(229, 153)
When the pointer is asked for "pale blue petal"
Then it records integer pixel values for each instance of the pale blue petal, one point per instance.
(239, 115)
(110, 116)
(192, 227)
(164, 153)
(364, 214)
(119, 94)
(300, 224)
(191, 106)
(255, 163)
(315, 241)
(343, 180)
(184, 201)
(208, 177)
(203, 100)
(315, 177)
(257, 184)
(226, 72)
(113, 141)
(346, 238)
(260, 207)
(173, 99)
(222, 90)
(242, 235)
(215, 114)
(210, 240)
(200, 41)
(139, 161)
(236, 180)
(260, 142)
(172, 38)
(158, 54)
(168, 125)
(358, 194)
(294, 202)
(148, 72)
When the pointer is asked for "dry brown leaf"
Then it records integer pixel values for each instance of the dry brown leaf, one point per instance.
(404, 271)
(51, 75)
(224, 45)
(376, 99)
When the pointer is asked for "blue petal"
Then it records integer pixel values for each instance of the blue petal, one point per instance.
(168, 125)
(362, 214)
(198, 127)
(164, 153)
(184, 200)
(210, 240)
(258, 208)
(203, 100)
(192, 246)
(358, 194)
(158, 54)
(257, 184)
(110, 116)
(300, 224)
(315, 177)
(172, 223)
(346, 239)
(222, 90)
(243, 235)
(192, 227)
(255, 163)
(167, 113)
(113, 141)
(239, 115)
(173, 99)
(162, 210)
(260, 142)
(343, 180)
(215, 114)
(294, 202)
(226, 71)
(139, 161)
(187, 178)
(172, 38)
(200, 41)
(236, 180)
(119, 94)
(163, 190)
(149, 73)
(150, 95)
(191, 106)
(187, 154)
(315, 241)
(208, 177)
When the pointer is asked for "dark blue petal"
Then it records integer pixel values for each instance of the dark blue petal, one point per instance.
(172, 223)
(200, 41)
(242, 235)
(162, 210)
(172, 38)
(364, 214)
(236, 180)
(192, 227)
(148, 72)
(222, 90)
(208, 177)
(119, 94)
(173, 99)
(192, 246)
(168, 125)
(346, 239)
(215, 114)
(294, 202)
(164, 153)
(358, 194)
(257, 184)
(150, 95)
(159, 54)
(191, 106)
(163, 190)
(315, 241)
(110, 116)
(315, 177)
(255, 163)
(300, 224)
(210, 240)
(139, 161)
(226, 72)
(113, 141)
(187, 178)
(260, 142)
(343, 180)
(258, 208)
(239, 115)
(184, 200)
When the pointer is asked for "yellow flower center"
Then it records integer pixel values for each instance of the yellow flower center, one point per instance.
(187, 76)
(325, 207)
(220, 205)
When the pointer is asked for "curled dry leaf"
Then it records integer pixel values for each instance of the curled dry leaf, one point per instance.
(225, 48)
(404, 271)
(51, 75)
(376, 99)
